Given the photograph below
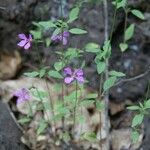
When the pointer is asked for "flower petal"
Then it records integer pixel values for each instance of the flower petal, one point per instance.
(65, 34)
(19, 100)
(27, 46)
(54, 37)
(79, 72)
(80, 79)
(65, 41)
(68, 71)
(22, 36)
(22, 43)
(30, 37)
(68, 80)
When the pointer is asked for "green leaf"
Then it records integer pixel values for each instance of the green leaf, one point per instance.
(56, 31)
(137, 120)
(100, 106)
(133, 107)
(55, 74)
(129, 32)
(135, 136)
(42, 73)
(24, 120)
(37, 35)
(106, 50)
(31, 74)
(92, 47)
(86, 103)
(48, 42)
(120, 3)
(101, 67)
(147, 104)
(92, 96)
(138, 14)
(109, 83)
(47, 24)
(90, 136)
(42, 126)
(66, 137)
(77, 31)
(116, 74)
(73, 15)
(123, 46)
(59, 65)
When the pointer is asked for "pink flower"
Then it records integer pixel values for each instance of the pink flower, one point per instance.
(25, 42)
(61, 37)
(22, 95)
(77, 74)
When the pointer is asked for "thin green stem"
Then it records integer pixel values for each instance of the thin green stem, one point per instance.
(125, 24)
(76, 103)
(148, 90)
(51, 103)
(41, 100)
(114, 21)
(62, 89)
(106, 94)
(100, 115)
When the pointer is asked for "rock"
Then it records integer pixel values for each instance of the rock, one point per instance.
(9, 133)
(116, 107)
(9, 65)
(121, 139)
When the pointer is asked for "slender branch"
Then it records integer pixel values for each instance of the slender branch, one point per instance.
(114, 21)
(125, 23)
(2, 8)
(100, 115)
(51, 104)
(76, 103)
(62, 89)
(133, 78)
(106, 94)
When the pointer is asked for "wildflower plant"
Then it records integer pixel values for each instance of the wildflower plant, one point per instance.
(66, 108)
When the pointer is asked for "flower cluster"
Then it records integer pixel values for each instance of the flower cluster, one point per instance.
(61, 37)
(72, 75)
(22, 95)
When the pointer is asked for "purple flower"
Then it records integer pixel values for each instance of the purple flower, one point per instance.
(25, 42)
(77, 74)
(61, 37)
(23, 95)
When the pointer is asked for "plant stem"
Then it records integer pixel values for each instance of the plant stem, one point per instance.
(125, 23)
(42, 103)
(114, 21)
(51, 104)
(62, 91)
(106, 94)
(76, 103)
(100, 115)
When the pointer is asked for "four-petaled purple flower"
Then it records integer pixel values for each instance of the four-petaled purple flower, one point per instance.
(61, 37)
(25, 41)
(22, 95)
(71, 75)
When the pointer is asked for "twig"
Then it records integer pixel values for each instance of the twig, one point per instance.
(106, 95)
(133, 78)
(2, 8)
